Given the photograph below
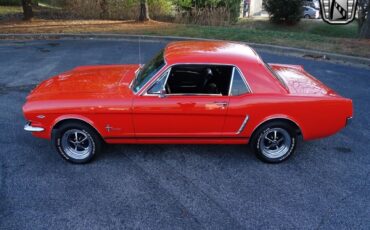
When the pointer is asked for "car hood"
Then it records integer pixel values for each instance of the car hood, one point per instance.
(88, 80)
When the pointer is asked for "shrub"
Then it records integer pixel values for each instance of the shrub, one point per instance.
(10, 2)
(92, 9)
(286, 11)
(207, 12)
(160, 9)
(117, 9)
(210, 16)
(15, 2)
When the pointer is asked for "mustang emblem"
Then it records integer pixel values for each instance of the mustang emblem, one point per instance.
(110, 128)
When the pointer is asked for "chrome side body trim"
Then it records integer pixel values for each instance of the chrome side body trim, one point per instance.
(242, 127)
(28, 127)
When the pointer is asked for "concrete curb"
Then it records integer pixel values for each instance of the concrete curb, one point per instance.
(288, 51)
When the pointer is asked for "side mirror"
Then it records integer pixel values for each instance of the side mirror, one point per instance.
(162, 93)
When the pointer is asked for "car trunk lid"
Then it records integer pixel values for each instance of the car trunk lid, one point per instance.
(299, 82)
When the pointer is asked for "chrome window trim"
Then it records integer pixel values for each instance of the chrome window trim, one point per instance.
(244, 124)
(232, 81)
(154, 77)
(244, 80)
(132, 82)
(150, 83)
(167, 72)
(140, 92)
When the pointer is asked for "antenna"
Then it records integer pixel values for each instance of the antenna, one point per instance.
(140, 50)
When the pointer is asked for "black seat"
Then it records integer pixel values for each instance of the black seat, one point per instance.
(210, 86)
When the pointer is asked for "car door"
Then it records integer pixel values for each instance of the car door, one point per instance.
(160, 114)
(239, 107)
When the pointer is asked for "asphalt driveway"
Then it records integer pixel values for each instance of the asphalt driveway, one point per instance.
(325, 185)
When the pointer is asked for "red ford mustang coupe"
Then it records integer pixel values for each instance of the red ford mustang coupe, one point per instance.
(189, 93)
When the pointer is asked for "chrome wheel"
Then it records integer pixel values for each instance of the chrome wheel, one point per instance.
(77, 144)
(275, 143)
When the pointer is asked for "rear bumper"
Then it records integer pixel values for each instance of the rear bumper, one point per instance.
(29, 128)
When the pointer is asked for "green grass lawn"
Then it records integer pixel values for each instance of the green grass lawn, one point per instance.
(308, 34)
(311, 27)
(318, 36)
(4, 10)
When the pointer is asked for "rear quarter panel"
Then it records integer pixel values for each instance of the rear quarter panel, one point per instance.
(316, 117)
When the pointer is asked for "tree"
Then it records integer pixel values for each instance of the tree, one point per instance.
(144, 11)
(363, 18)
(27, 10)
(232, 7)
(287, 11)
(104, 9)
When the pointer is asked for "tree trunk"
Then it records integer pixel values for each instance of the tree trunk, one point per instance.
(27, 10)
(104, 9)
(365, 26)
(144, 11)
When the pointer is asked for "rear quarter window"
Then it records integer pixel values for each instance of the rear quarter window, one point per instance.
(238, 85)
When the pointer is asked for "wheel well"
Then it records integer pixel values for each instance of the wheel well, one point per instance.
(287, 121)
(71, 120)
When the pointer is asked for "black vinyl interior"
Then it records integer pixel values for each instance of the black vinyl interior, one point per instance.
(199, 79)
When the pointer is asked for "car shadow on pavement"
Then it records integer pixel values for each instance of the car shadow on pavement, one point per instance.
(237, 153)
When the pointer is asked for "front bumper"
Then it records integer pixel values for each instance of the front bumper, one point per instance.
(28, 127)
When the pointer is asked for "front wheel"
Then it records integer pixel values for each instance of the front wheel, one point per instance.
(76, 142)
(274, 142)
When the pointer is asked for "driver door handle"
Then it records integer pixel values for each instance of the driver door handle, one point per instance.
(222, 104)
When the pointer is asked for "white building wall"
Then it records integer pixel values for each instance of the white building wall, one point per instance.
(255, 8)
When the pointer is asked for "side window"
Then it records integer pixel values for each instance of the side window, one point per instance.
(238, 85)
(158, 85)
(193, 79)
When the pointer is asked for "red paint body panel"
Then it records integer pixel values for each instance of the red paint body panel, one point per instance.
(100, 96)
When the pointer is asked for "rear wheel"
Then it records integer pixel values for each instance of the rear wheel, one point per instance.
(307, 16)
(76, 142)
(274, 142)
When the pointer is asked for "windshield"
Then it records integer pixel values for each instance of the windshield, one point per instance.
(148, 71)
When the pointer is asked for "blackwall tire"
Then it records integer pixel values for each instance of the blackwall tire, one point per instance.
(274, 142)
(76, 142)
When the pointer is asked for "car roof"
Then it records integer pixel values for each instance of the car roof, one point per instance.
(213, 52)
